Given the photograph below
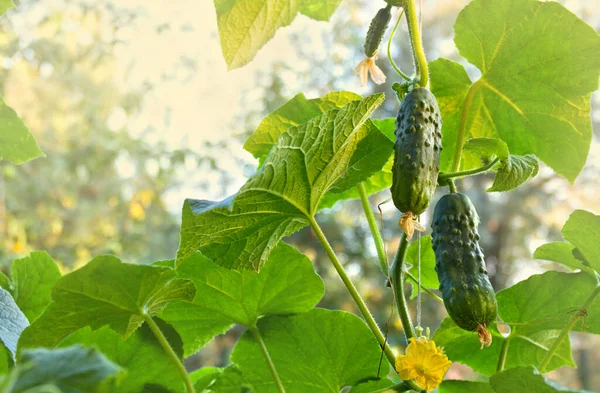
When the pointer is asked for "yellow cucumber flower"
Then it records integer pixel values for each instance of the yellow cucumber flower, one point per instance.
(423, 362)
(368, 66)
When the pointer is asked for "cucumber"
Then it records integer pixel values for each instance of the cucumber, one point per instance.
(468, 294)
(416, 153)
(377, 29)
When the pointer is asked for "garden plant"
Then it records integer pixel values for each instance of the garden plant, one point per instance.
(112, 326)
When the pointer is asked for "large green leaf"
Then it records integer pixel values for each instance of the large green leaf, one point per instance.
(246, 25)
(72, 370)
(560, 252)
(539, 64)
(5, 5)
(33, 278)
(523, 350)
(12, 322)
(306, 162)
(583, 231)
(296, 111)
(318, 351)
(287, 284)
(450, 386)
(229, 381)
(372, 386)
(106, 292)
(141, 355)
(16, 142)
(204, 377)
(535, 301)
(526, 379)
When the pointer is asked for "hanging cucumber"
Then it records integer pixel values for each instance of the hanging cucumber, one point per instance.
(416, 156)
(377, 29)
(466, 289)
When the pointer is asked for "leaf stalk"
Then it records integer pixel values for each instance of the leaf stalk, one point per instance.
(263, 348)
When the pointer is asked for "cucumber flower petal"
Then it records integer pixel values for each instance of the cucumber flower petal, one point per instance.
(424, 363)
(368, 67)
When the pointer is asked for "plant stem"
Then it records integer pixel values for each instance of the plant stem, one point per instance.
(397, 278)
(379, 246)
(503, 353)
(565, 333)
(470, 172)
(460, 136)
(415, 41)
(360, 303)
(263, 347)
(389, 50)
(452, 186)
(429, 291)
(189, 386)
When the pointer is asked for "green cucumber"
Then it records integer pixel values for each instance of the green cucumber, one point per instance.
(377, 29)
(416, 152)
(466, 289)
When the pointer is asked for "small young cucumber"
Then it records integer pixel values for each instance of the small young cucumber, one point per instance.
(466, 289)
(377, 29)
(416, 152)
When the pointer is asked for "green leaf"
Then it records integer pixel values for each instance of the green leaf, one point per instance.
(536, 300)
(12, 322)
(429, 278)
(229, 381)
(106, 292)
(560, 252)
(5, 282)
(526, 379)
(514, 172)
(450, 386)
(372, 386)
(141, 355)
(203, 377)
(487, 148)
(332, 349)
(246, 25)
(524, 348)
(33, 279)
(287, 284)
(582, 229)
(72, 370)
(5, 5)
(306, 162)
(538, 102)
(16, 142)
(319, 9)
(296, 111)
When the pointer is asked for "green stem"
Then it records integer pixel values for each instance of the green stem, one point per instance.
(503, 353)
(470, 172)
(452, 186)
(565, 333)
(379, 246)
(389, 49)
(360, 303)
(397, 278)
(460, 136)
(415, 41)
(189, 386)
(429, 291)
(263, 347)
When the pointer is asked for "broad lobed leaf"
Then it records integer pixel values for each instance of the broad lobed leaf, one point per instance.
(539, 64)
(287, 284)
(246, 25)
(12, 323)
(301, 168)
(16, 142)
(105, 292)
(331, 350)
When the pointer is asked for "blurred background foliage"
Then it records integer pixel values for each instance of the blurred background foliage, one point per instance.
(133, 107)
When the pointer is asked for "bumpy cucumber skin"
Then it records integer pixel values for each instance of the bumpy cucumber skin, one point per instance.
(417, 151)
(466, 289)
(377, 28)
